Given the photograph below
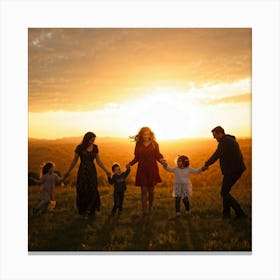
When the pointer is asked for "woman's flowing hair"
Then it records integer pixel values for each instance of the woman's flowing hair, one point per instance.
(139, 136)
(87, 137)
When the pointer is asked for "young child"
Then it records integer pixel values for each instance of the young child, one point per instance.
(182, 183)
(48, 179)
(119, 181)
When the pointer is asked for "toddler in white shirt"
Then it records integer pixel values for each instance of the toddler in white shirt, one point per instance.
(182, 183)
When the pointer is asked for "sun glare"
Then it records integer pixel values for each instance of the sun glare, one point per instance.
(169, 114)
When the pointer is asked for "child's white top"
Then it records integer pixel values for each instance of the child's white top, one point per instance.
(182, 174)
(49, 180)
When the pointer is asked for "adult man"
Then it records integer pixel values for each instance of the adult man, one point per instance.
(232, 167)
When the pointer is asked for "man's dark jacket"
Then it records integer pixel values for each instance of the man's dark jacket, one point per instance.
(231, 159)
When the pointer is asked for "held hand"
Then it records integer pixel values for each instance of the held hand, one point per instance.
(204, 168)
(63, 179)
(128, 166)
(163, 162)
(108, 173)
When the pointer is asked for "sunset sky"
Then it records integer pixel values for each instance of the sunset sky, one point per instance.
(180, 82)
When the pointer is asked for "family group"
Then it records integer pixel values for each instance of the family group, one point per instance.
(146, 155)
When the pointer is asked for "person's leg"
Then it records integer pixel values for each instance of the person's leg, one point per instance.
(44, 206)
(115, 207)
(44, 203)
(93, 203)
(151, 197)
(121, 197)
(177, 204)
(144, 198)
(226, 187)
(228, 199)
(41, 207)
(186, 203)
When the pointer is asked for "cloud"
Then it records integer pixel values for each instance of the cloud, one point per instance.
(72, 68)
(242, 98)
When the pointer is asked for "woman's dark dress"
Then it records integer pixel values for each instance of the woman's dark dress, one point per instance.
(88, 199)
(147, 174)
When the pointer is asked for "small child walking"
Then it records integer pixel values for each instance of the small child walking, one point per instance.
(119, 182)
(48, 180)
(182, 184)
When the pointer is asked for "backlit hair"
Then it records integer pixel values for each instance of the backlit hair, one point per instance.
(46, 167)
(218, 129)
(115, 165)
(139, 136)
(185, 160)
(88, 136)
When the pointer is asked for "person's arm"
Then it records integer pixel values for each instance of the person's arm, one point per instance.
(159, 156)
(169, 169)
(58, 179)
(214, 157)
(203, 168)
(72, 165)
(100, 163)
(110, 180)
(195, 171)
(40, 181)
(127, 172)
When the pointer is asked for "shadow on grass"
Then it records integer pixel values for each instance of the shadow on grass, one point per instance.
(185, 242)
(243, 228)
(66, 237)
(187, 236)
(142, 234)
(194, 234)
(102, 242)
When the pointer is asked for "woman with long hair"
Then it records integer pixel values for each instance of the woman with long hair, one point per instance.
(88, 199)
(147, 154)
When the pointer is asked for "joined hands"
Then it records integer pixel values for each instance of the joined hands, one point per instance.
(203, 168)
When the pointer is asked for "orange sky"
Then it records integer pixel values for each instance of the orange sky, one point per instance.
(180, 82)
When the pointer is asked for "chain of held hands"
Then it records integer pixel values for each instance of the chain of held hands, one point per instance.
(109, 174)
(164, 164)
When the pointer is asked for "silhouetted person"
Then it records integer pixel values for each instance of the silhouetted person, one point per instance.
(119, 182)
(146, 154)
(48, 180)
(87, 199)
(182, 188)
(232, 167)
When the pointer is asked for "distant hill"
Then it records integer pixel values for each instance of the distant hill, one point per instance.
(121, 150)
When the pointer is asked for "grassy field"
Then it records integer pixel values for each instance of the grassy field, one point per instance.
(204, 230)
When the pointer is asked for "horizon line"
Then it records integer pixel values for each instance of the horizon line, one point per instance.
(126, 138)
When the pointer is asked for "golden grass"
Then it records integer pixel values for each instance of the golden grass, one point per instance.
(63, 229)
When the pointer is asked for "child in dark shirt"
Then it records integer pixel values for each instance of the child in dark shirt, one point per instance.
(119, 182)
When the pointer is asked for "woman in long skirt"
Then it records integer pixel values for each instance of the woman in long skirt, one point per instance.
(88, 199)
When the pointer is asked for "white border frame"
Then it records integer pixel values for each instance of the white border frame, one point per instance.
(17, 16)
